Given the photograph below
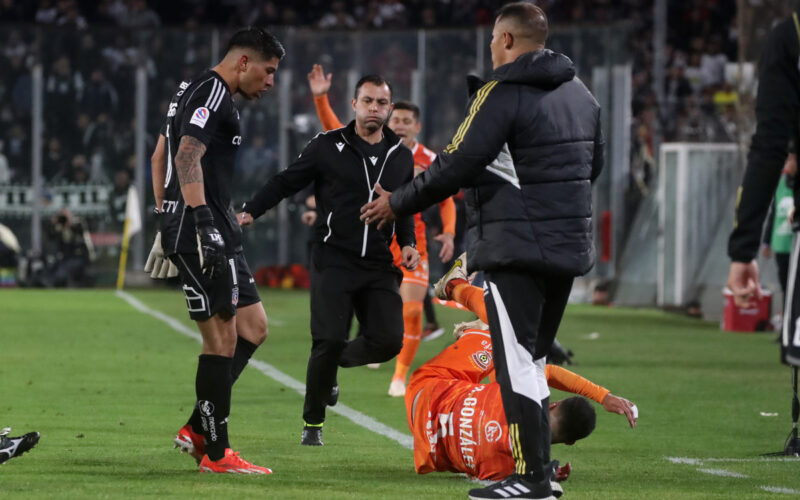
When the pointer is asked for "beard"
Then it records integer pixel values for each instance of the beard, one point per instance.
(371, 126)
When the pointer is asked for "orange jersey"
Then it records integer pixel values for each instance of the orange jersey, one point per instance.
(459, 424)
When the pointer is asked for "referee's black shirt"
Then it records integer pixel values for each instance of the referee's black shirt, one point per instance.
(344, 170)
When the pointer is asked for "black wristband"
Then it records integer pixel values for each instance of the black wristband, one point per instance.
(203, 216)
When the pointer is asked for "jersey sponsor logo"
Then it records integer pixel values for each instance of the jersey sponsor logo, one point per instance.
(199, 117)
(482, 359)
(340, 146)
(237, 140)
(183, 86)
(493, 431)
(169, 206)
(206, 408)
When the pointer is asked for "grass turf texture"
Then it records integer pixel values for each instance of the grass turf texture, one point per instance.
(108, 386)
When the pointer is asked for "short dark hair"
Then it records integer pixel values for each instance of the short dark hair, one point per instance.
(531, 20)
(577, 419)
(408, 106)
(373, 79)
(259, 40)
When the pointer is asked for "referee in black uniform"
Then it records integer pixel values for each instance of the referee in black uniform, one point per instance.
(351, 264)
(201, 236)
(778, 117)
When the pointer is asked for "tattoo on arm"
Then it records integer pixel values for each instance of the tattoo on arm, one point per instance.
(187, 160)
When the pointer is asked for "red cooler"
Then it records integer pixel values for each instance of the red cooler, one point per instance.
(754, 319)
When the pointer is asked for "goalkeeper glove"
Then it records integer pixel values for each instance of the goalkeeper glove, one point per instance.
(210, 245)
(157, 265)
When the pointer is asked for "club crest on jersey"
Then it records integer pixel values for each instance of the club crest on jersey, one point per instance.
(493, 431)
(199, 117)
(482, 359)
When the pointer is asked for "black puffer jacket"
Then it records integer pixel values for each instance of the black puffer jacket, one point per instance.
(527, 152)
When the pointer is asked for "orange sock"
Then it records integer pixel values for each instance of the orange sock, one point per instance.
(412, 322)
(471, 297)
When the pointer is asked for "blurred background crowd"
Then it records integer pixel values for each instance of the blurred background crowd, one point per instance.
(91, 50)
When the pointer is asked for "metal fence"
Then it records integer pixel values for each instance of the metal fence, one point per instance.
(83, 109)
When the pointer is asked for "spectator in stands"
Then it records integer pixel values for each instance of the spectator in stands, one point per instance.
(266, 15)
(118, 199)
(6, 174)
(54, 161)
(70, 17)
(11, 11)
(18, 150)
(99, 96)
(337, 18)
(63, 89)
(139, 15)
(78, 172)
(46, 13)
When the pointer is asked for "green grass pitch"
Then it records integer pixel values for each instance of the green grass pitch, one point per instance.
(108, 386)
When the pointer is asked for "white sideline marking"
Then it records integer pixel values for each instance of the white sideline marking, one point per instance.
(592, 336)
(270, 371)
(775, 489)
(723, 473)
(727, 473)
(700, 461)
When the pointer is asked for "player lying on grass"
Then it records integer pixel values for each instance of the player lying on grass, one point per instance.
(11, 447)
(458, 423)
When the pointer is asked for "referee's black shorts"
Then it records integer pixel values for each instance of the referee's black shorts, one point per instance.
(233, 288)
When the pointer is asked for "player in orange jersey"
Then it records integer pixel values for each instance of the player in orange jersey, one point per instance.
(404, 121)
(458, 423)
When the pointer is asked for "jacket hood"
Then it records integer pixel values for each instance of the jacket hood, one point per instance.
(541, 68)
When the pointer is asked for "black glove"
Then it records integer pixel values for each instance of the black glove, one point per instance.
(210, 244)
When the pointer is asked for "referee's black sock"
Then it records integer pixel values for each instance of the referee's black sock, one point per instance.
(244, 351)
(213, 387)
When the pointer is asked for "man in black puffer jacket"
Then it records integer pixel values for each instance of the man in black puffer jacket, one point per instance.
(527, 153)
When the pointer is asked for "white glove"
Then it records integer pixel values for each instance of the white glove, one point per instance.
(157, 265)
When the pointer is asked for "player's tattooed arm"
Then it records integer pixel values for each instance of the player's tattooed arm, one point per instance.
(189, 170)
(187, 161)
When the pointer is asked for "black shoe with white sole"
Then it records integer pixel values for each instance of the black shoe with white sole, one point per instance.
(515, 486)
(11, 447)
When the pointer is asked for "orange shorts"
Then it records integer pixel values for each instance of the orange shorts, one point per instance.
(419, 276)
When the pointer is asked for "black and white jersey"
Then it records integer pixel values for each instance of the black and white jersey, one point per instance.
(203, 109)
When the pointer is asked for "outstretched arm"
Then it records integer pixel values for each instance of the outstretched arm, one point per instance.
(565, 380)
(320, 84)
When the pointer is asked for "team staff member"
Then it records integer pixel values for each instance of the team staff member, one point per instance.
(404, 121)
(201, 236)
(777, 116)
(351, 264)
(527, 152)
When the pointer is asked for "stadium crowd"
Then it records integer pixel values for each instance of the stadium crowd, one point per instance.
(89, 67)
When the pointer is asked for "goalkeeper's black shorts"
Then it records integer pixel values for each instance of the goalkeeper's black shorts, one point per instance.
(206, 297)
